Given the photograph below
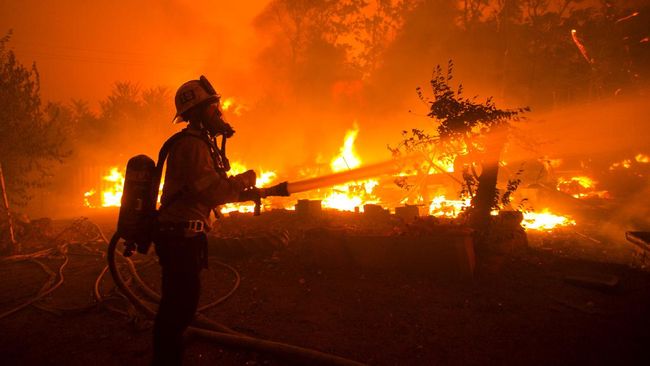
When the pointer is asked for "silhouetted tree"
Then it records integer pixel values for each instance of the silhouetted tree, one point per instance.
(31, 140)
(478, 130)
(375, 30)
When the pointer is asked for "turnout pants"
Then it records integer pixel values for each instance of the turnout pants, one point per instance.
(181, 260)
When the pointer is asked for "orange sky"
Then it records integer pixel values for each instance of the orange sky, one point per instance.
(81, 48)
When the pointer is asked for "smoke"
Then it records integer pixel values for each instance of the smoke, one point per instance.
(615, 127)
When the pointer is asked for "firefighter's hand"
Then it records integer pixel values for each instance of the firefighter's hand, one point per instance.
(247, 179)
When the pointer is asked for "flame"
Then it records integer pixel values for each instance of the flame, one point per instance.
(111, 195)
(229, 104)
(345, 197)
(88, 198)
(237, 207)
(545, 220)
(355, 195)
(349, 196)
(627, 163)
(342, 200)
(347, 158)
(263, 178)
(582, 181)
(442, 207)
(580, 187)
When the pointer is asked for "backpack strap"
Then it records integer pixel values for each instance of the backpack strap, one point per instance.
(217, 157)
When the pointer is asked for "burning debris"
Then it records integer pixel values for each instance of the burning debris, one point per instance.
(355, 195)
(545, 221)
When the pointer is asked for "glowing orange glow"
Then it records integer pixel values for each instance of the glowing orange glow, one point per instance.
(545, 221)
(554, 163)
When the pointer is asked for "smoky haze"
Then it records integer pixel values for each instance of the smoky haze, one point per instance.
(303, 73)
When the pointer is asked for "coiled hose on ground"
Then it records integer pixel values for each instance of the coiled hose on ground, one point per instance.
(214, 331)
(202, 325)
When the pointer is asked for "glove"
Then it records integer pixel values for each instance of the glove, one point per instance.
(246, 179)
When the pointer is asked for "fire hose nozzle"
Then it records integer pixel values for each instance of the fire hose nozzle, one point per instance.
(280, 189)
(256, 194)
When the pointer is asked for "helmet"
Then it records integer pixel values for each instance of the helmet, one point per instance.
(192, 94)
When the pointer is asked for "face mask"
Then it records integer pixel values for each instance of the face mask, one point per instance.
(214, 124)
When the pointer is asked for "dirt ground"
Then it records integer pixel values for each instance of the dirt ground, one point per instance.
(518, 309)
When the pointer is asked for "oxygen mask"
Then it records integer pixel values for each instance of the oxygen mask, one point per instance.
(214, 123)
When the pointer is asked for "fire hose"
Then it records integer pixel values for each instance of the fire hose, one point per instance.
(203, 326)
(329, 180)
(51, 284)
(127, 230)
(221, 334)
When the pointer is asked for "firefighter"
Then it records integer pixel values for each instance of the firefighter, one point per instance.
(195, 183)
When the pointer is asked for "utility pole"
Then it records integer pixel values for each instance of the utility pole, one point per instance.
(14, 244)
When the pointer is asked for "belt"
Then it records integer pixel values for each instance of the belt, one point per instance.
(192, 226)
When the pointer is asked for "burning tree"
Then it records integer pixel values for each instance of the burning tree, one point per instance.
(468, 132)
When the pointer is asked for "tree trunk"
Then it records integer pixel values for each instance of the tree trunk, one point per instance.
(486, 192)
(485, 195)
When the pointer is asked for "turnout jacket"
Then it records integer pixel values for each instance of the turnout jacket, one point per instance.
(193, 184)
